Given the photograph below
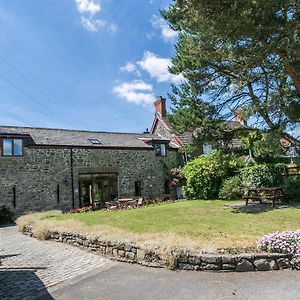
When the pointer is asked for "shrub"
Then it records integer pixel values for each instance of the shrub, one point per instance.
(231, 189)
(6, 216)
(263, 175)
(204, 175)
(287, 242)
(292, 187)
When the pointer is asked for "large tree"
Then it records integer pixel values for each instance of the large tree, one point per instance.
(237, 55)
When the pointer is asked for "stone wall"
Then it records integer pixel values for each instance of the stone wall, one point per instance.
(163, 131)
(176, 259)
(34, 178)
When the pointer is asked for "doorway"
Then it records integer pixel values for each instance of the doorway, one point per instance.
(96, 189)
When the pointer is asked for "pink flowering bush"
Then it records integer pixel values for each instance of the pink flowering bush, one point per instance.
(286, 242)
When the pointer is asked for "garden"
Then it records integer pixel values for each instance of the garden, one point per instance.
(212, 226)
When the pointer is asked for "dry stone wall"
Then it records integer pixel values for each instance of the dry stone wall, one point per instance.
(182, 260)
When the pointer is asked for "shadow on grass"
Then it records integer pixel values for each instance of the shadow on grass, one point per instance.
(258, 208)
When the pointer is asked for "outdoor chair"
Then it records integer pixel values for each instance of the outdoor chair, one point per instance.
(108, 205)
(131, 203)
(115, 203)
(140, 201)
(112, 205)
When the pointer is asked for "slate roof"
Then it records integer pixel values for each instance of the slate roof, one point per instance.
(67, 137)
(187, 137)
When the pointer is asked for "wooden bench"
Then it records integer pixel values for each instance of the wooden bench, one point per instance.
(260, 194)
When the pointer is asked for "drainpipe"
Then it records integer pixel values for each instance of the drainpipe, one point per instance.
(185, 157)
(72, 177)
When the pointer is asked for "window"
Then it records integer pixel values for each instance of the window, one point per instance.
(167, 187)
(95, 141)
(207, 148)
(138, 188)
(12, 147)
(160, 149)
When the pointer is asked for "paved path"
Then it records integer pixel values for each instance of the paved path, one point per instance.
(29, 265)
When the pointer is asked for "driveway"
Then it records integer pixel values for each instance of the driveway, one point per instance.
(125, 281)
(34, 269)
(29, 265)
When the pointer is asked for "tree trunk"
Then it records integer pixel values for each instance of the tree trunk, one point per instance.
(290, 70)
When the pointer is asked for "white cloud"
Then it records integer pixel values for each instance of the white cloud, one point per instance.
(88, 10)
(167, 33)
(88, 6)
(158, 68)
(137, 92)
(112, 27)
(92, 24)
(130, 68)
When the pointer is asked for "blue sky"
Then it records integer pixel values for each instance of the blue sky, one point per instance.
(83, 64)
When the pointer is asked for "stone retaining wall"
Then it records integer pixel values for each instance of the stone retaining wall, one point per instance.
(182, 260)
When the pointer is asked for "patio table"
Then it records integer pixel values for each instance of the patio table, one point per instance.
(124, 201)
(259, 194)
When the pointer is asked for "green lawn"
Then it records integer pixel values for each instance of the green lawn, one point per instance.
(210, 224)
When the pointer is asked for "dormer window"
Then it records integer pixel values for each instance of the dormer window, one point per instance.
(95, 141)
(12, 147)
(160, 149)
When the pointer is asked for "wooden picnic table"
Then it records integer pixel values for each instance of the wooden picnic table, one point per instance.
(263, 193)
(124, 200)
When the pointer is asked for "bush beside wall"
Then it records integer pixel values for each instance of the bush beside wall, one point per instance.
(262, 175)
(292, 187)
(231, 189)
(205, 174)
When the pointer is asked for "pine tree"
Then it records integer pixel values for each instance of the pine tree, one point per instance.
(237, 55)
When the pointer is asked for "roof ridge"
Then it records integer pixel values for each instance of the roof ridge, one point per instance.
(72, 130)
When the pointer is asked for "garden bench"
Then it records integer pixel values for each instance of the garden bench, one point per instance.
(260, 194)
(112, 205)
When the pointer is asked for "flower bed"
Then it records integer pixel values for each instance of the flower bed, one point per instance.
(80, 210)
(286, 242)
(123, 207)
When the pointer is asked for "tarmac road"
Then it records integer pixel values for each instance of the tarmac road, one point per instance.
(125, 281)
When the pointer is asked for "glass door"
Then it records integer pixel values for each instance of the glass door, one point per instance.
(96, 189)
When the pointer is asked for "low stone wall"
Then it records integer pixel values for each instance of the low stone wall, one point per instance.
(182, 260)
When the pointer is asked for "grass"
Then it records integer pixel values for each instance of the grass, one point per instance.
(208, 225)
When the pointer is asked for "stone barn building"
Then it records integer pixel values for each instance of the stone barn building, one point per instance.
(45, 169)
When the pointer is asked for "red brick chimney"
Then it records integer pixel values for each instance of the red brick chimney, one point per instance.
(238, 117)
(160, 106)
